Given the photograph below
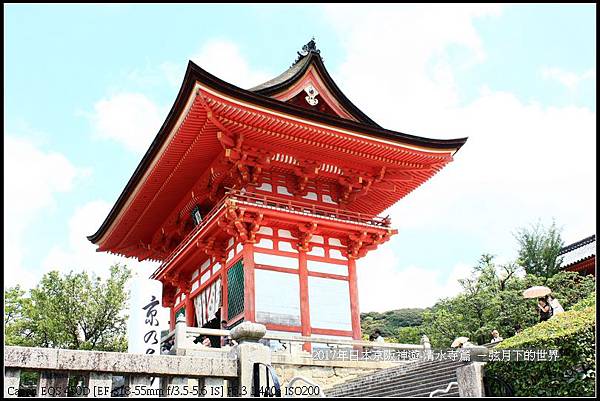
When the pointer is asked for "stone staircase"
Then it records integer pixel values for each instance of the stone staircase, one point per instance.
(414, 379)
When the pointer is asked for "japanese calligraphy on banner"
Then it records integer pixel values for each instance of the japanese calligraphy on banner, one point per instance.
(208, 302)
(144, 321)
(144, 328)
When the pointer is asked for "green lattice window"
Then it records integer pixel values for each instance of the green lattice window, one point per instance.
(180, 312)
(235, 289)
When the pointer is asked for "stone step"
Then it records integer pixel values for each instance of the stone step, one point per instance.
(395, 372)
(362, 381)
(399, 379)
(401, 385)
(411, 391)
(403, 367)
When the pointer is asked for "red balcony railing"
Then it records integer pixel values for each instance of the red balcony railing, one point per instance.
(271, 202)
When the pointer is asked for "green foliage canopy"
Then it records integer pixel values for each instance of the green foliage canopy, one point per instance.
(73, 311)
(539, 249)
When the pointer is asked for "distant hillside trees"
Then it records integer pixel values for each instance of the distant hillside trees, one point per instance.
(491, 297)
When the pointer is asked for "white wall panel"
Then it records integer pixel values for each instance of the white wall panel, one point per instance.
(329, 303)
(317, 251)
(336, 254)
(334, 241)
(323, 267)
(275, 260)
(265, 243)
(277, 297)
(286, 246)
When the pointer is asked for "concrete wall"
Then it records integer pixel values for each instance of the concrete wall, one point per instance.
(324, 373)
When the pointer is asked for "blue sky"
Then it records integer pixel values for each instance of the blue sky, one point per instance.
(519, 80)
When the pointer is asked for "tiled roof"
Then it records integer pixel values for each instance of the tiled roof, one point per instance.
(578, 251)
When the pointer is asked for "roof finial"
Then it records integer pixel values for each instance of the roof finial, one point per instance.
(310, 47)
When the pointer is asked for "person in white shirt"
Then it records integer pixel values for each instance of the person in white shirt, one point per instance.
(377, 336)
(496, 337)
(556, 306)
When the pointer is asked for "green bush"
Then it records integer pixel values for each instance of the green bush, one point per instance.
(590, 300)
(573, 333)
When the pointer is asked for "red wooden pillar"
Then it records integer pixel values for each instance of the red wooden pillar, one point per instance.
(190, 317)
(172, 317)
(223, 291)
(248, 252)
(304, 302)
(354, 309)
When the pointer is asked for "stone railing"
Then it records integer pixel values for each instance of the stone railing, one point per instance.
(96, 369)
(292, 361)
(183, 338)
(211, 374)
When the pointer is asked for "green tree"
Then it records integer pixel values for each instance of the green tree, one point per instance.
(539, 249)
(73, 311)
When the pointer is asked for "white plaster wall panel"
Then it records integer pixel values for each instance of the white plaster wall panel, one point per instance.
(205, 264)
(230, 255)
(283, 190)
(285, 234)
(335, 242)
(286, 246)
(195, 274)
(318, 239)
(205, 277)
(265, 187)
(195, 285)
(178, 300)
(311, 196)
(327, 199)
(265, 243)
(216, 268)
(230, 243)
(317, 251)
(239, 248)
(277, 297)
(336, 254)
(275, 260)
(266, 230)
(324, 267)
(329, 303)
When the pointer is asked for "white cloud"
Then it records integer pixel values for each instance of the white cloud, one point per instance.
(131, 119)
(400, 54)
(32, 179)
(79, 254)
(224, 59)
(383, 285)
(569, 79)
(522, 162)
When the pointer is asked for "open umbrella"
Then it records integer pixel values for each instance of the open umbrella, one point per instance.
(459, 341)
(536, 292)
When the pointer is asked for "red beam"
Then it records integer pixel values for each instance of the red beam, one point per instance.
(332, 332)
(283, 327)
(248, 254)
(304, 301)
(354, 309)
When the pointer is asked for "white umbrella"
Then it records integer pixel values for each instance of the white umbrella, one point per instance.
(459, 341)
(536, 292)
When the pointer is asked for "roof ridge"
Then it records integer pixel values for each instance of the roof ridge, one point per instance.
(577, 244)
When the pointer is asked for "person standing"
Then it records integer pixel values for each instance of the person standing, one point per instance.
(377, 337)
(555, 305)
(544, 309)
(496, 337)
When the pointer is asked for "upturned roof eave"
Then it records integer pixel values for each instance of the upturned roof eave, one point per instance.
(195, 74)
